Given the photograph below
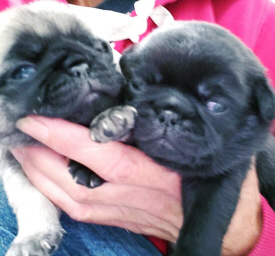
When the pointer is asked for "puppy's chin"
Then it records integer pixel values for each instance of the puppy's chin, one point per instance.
(171, 155)
(80, 111)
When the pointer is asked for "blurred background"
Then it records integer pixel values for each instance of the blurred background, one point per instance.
(123, 6)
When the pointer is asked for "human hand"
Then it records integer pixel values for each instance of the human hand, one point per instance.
(139, 195)
(136, 195)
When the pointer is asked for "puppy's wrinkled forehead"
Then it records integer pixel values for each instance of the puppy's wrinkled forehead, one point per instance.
(196, 45)
(188, 54)
(23, 25)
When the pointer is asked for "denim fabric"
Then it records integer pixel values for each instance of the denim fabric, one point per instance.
(122, 6)
(81, 239)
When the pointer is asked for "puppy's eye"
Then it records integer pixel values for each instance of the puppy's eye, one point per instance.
(215, 107)
(24, 72)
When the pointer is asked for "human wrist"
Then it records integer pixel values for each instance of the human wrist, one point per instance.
(246, 225)
(245, 236)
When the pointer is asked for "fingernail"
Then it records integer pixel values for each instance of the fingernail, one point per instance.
(33, 126)
(18, 154)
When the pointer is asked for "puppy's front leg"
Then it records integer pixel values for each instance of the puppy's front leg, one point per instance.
(113, 124)
(209, 205)
(39, 229)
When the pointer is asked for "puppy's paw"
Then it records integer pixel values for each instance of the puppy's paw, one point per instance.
(84, 176)
(114, 124)
(41, 244)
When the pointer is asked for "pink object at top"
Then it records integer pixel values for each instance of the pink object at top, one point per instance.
(13, 3)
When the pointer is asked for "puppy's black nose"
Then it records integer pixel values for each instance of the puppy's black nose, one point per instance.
(168, 117)
(79, 70)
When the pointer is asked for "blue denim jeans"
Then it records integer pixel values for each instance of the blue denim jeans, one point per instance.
(81, 239)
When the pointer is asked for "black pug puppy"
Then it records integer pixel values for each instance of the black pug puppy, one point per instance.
(51, 64)
(204, 108)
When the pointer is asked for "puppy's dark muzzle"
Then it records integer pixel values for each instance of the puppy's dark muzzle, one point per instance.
(73, 77)
(80, 60)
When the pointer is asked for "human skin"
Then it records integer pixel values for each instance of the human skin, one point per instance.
(139, 194)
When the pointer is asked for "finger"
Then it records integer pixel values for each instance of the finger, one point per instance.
(54, 167)
(50, 164)
(112, 161)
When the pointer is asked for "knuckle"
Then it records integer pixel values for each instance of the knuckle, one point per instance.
(75, 215)
(79, 194)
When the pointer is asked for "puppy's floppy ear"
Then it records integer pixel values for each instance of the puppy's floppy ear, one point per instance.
(265, 98)
(131, 68)
(103, 48)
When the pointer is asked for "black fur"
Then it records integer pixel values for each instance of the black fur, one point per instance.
(204, 109)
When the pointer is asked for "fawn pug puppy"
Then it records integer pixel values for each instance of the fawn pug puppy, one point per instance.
(204, 108)
(52, 65)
